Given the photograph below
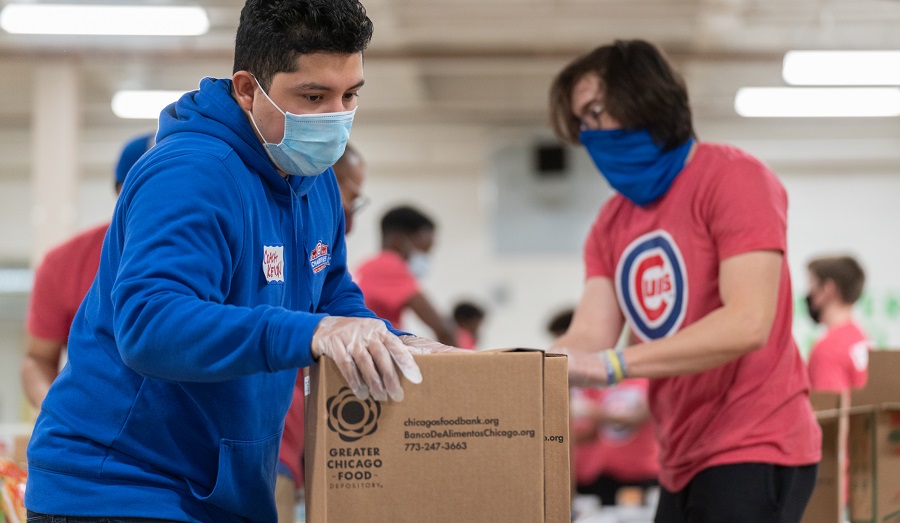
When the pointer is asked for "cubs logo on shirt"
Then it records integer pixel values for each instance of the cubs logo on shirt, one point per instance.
(651, 284)
(319, 258)
(273, 263)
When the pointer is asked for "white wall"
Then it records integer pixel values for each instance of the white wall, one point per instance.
(855, 213)
(835, 207)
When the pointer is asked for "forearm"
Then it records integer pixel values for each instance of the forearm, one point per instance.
(37, 376)
(219, 343)
(429, 315)
(445, 335)
(720, 337)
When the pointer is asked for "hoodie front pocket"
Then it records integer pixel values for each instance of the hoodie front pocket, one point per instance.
(245, 482)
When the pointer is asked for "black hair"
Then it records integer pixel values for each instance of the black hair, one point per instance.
(405, 219)
(467, 311)
(559, 323)
(273, 33)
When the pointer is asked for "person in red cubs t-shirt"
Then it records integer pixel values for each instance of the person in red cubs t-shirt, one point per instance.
(692, 254)
(839, 361)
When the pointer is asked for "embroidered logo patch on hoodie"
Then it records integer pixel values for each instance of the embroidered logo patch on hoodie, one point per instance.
(319, 258)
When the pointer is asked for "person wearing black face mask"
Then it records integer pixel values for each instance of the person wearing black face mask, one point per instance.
(814, 313)
(839, 359)
(692, 254)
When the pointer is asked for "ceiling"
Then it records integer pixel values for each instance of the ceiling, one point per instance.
(482, 62)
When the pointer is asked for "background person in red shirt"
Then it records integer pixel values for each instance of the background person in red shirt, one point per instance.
(350, 171)
(468, 318)
(691, 252)
(389, 280)
(839, 360)
(613, 443)
(60, 283)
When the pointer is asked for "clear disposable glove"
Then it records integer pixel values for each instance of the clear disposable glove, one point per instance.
(365, 351)
(586, 368)
(419, 345)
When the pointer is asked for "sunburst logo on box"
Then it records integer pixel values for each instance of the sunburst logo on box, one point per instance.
(350, 417)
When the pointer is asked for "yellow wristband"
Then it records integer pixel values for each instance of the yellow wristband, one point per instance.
(613, 358)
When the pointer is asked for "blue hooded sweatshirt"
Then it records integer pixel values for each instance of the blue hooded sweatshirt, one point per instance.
(214, 274)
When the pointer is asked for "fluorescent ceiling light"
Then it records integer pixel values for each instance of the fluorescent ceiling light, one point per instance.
(74, 19)
(817, 101)
(842, 68)
(16, 280)
(142, 104)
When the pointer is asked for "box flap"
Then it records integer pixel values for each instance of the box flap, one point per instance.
(826, 400)
(882, 385)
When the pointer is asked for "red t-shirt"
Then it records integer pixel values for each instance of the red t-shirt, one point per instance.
(292, 440)
(664, 260)
(839, 361)
(61, 282)
(465, 339)
(387, 285)
(626, 454)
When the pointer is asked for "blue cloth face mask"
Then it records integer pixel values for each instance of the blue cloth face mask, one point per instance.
(633, 163)
(312, 142)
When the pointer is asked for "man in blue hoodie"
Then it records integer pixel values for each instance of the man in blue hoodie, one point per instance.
(224, 271)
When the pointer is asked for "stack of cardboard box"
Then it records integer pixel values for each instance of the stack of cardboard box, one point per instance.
(874, 419)
(866, 426)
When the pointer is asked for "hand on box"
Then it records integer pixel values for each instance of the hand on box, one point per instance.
(586, 369)
(365, 351)
(418, 345)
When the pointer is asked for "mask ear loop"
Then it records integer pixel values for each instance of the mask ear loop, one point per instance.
(250, 114)
(267, 95)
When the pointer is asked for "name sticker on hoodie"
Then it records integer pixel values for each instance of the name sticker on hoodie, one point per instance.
(273, 263)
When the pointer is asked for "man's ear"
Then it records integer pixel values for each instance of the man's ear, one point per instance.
(831, 289)
(244, 89)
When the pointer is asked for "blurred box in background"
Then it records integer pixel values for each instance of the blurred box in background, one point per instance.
(825, 505)
(874, 447)
(14, 439)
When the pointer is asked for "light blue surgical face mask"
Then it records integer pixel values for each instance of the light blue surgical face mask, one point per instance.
(312, 142)
(419, 263)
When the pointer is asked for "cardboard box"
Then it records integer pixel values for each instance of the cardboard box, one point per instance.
(825, 505)
(883, 384)
(875, 464)
(14, 439)
(483, 438)
(874, 434)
